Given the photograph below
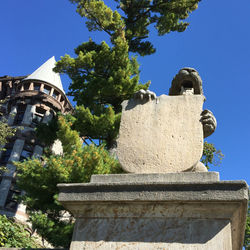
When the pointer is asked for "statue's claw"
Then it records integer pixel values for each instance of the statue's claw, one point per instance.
(209, 122)
(145, 95)
(199, 167)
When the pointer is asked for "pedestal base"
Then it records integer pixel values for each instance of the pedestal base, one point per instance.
(161, 214)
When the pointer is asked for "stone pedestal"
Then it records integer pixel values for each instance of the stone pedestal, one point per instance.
(157, 211)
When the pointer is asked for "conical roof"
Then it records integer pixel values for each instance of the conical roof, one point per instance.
(45, 73)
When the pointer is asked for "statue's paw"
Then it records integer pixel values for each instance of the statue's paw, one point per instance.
(209, 122)
(199, 167)
(145, 95)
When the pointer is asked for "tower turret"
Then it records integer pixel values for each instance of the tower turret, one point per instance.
(30, 100)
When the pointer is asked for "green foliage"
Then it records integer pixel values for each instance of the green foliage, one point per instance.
(59, 128)
(5, 130)
(13, 234)
(102, 78)
(104, 126)
(39, 179)
(211, 156)
(77, 165)
(135, 19)
(100, 17)
(69, 138)
(46, 132)
(101, 75)
(247, 230)
(59, 233)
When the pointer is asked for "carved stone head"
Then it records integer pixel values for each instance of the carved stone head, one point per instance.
(186, 82)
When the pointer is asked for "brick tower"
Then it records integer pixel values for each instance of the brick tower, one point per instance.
(29, 100)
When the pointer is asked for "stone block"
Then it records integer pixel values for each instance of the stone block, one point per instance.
(157, 213)
(171, 177)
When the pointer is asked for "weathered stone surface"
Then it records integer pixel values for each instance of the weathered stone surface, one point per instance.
(157, 215)
(161, 136)
(153, 233)
(11, 248)
(170, 177)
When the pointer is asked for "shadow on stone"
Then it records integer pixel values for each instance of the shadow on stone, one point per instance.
(184, 231)
(134, 102)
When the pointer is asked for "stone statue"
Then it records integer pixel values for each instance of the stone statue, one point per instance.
(165, 134)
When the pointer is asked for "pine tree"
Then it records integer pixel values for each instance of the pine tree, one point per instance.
(135, 17)
(39, 178)
(102, 75)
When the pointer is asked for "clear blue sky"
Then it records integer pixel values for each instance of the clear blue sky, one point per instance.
(217, 44)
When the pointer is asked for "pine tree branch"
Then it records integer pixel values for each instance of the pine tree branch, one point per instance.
(97, 22)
